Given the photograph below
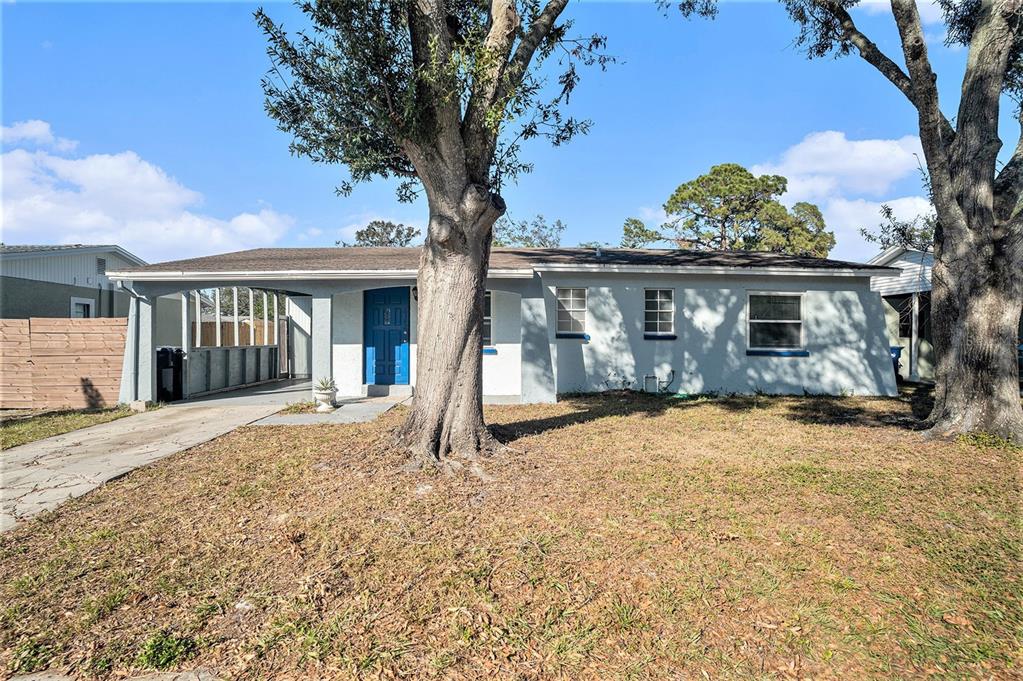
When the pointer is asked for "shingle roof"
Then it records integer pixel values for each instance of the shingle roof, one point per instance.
(355, 259)
(40, 248)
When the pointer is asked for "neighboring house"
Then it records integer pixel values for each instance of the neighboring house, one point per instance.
(62, 281)
(907, 304)
(71, 281)
(563, 320)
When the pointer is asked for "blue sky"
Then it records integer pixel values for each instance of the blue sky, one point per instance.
(143, 124)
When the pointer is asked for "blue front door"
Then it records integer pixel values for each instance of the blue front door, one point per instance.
(386, 331)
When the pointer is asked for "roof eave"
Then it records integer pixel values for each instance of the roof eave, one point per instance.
(717, 269)
(130, 257)
(293, 275)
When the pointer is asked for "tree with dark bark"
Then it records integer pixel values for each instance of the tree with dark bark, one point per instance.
(535, 233)
(977, 293)
(380, 233)
(439, 94)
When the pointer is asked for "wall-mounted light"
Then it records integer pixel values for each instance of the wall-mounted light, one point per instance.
(415, 293)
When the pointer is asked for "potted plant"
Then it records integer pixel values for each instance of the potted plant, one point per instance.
(325, 391)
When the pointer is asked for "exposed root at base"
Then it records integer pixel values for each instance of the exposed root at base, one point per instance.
(483, 444)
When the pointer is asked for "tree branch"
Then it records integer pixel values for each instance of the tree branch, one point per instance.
(975, 153)
(504, 24)
(873, 55)
(534, 35)
(932, 121)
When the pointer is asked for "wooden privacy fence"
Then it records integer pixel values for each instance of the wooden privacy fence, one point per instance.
(61, 363)
(209, 333)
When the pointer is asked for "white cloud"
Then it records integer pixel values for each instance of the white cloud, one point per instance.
(847, 216)
(36, 133)
(825, 163)
(117, 198)
(849, 180)
(930, 11)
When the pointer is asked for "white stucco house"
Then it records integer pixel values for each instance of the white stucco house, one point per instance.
(561, 320)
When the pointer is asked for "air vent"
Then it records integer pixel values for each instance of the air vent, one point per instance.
(101, 265)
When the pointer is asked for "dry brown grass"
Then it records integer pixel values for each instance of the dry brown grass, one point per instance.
(630, 536)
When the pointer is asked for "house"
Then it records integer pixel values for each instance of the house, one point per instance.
(71, 280)
(562, 320)
(62, 281)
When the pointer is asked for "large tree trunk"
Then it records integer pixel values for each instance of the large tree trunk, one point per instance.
(975, 314)
(447, 412)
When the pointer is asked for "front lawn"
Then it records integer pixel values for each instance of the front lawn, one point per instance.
(624, 536)
(18, 429)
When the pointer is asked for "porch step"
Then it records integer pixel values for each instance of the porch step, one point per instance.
(387, 390)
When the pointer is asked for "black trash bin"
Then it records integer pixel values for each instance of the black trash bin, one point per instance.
(169, 363)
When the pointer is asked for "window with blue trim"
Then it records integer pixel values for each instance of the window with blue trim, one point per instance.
(488, 323)
(775, 321)
(571, 311)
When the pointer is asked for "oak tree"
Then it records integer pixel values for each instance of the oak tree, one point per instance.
(439, 94)
(977, 280)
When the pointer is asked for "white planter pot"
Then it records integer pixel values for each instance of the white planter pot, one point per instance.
(325, 400)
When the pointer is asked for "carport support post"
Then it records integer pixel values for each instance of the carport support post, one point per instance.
(216, 316)
(266, 321)
(252, 319)
(145, 373)
(276, 324)
(234, 297)
(198, 319)
(322, 351)
(186, 335)
(914, 340)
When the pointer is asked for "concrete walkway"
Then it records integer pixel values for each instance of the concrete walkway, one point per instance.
(38, 476)
(354, 410)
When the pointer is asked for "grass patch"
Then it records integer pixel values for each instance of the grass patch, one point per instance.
(164, 650)
(626, 536)
(19, 430)
(304, 407)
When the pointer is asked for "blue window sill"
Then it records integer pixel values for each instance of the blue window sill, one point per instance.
(577, 336)
(659, 336)
(777, 353)
(489, 351)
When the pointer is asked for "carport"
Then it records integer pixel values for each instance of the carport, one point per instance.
(221, 350)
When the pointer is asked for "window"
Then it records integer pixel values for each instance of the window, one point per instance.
(571, 311)
(775, 321)
(101, 266)
(488, 324)
(659, 312)
(81, 308)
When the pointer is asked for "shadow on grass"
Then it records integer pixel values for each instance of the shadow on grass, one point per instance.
(811, 409)
(879, 412)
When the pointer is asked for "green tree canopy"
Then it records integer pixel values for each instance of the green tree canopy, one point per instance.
(535, 233)
(384, 233)
(730, 208)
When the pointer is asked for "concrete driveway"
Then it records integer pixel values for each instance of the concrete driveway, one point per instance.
(40, 475)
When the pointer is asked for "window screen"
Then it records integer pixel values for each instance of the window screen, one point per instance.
(659, 311)
(775, 321)
(571, 310)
